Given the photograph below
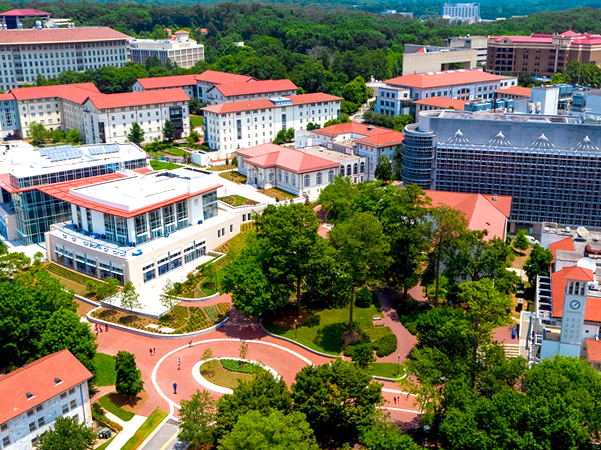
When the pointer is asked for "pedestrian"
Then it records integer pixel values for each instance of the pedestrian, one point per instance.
(190, 343)
(96, 327)
(174, 387)
(154, 351)
(179, 363)
(151, 352)
(107, 328)
(100, 328)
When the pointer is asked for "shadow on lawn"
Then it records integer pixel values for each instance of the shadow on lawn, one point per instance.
(330, 337)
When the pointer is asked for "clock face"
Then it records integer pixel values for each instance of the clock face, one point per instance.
(575, 304)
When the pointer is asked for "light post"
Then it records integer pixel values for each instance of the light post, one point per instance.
(398, 370)
(295, 332)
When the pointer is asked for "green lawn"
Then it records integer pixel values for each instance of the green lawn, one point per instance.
(144, 431)
(387, 370)
(107, 403)
(234, 176)
(234, 200)
(196, 121)
(323, 331)
(105, 369)
(160, 165)
(106, 444)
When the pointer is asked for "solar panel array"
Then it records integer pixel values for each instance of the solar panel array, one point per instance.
(61, 153)
(104, 149)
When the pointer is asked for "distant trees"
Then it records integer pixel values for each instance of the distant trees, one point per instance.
(285, 135)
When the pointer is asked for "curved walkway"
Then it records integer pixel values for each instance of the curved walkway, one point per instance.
(406, 341)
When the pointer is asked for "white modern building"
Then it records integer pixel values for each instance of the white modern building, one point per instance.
(100, 118)
(237, 125)
(181, 50)
(194, 85)
(36, 394)
(461, 12)
(137, 227)
(304, 173)
(353, 138)
(26, 53)
(28, 176)
(395, 98)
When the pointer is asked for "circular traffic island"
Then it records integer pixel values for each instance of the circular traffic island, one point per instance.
(224, 374)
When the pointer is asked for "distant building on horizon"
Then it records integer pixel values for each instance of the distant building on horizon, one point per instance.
(461, 12)
(12, 20)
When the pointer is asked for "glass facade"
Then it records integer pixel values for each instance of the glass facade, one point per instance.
(418, 156)
(209, 205)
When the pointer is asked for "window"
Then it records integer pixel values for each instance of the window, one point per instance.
(6, 441)
(63, 395)
(231, 228)
(73, 404)
(330, 176)
(32, 427)
(4, 427)
(41, 421)
(65, 409)
(30, 413)
(307, 181)
(318, 179)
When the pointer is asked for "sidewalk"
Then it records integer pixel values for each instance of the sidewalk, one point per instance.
(129, 428)
(406, 341)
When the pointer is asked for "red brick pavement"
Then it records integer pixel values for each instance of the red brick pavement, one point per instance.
(406, 341)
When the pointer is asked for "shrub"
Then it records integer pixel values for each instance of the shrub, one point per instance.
(385, 345)
(240, 366)
(363, 298)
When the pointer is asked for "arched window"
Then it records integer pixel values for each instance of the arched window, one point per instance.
(318, 179)
(355, 169)
(330, 176)
(307, 181)
(362, 167)
(348, 170)
(341, 170)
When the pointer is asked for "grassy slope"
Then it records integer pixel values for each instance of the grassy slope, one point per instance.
(105, 369)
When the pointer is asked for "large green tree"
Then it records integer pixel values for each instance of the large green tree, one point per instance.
(128, 381)
(67, 433)
(362, 252)
(136, 134)
(338, 399)
(538, 263)
(197, 416)
(270, 431)
(383, 169)
(37, 133)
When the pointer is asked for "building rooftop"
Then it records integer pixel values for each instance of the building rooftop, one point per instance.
(297, 161)
(494, 115)
(53, 35)
(330, 155)
(106, 101)
(566, 244)
(215, 77)
(168, 82)
(264, 103)
(77, 92)
(445, 78)
(558, 285)
(351, 128)
(25, 12)
(39, 381)
(382, 139)
(256, 87)
(518, 91)
(129, 195)
(442, 102)
(483, 212)
(594, 350)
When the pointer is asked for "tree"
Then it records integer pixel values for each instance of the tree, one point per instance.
(67, 434)
(65, 330)
(521, 242)
(197, 416)
(383, 170)
(196, 106)
(136, 134)
(168, 300)
(356, 91)
(384, 435)
(401, 121)
(337, 198)
(129, 297)
(273, 431)
(73, 137)
(263, 394)
(538, 263)
(128, 380)
(13, 262)
(37, 133)
(448, 225)
(168, 131)
(363, 355)
(338, 399)
(362, 252)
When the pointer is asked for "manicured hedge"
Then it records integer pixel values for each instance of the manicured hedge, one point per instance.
(385, 345)
(240, 366)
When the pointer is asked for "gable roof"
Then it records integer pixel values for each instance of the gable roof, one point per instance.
(592, 311)
(564, 244)
(54, 35)
(481, 211)
(77, 92)
(382, 139)
(212, 76)
(264, 103)
(446, 78)
(168, 82)
(351, 128)
(317, 97)
(256, 87)
(38, 378)
(25, 12)
(442, 102)
(518, 91)
(106, 101)
(297, 161)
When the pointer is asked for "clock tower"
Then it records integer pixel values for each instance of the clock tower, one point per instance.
(574, 305)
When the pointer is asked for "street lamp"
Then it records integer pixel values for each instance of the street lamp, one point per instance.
(398, 370)
(295, 332)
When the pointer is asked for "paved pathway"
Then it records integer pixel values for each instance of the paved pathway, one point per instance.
(129, 428)
(406, 341)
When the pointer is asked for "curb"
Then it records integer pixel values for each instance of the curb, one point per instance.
(150, 333)
(300, 345)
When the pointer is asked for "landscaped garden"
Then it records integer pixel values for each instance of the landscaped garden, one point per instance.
(229, 372)
(236, 177)
(167, 165)
(237, 200)
(280, 194)
(182, 319)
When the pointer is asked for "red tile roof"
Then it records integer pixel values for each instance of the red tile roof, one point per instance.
(25, 12)
(168, 82)
(77, 92)
(182, 32)
(447, 78)
(564, 244)
(107, 101)
(382, 139)
(442, 102)
(6, 97)
(592, 311)
(38, 378)
(351, 128)
(264, 103)
(272, 155)
(54, 35)
(481, 211)
(593, 347)
(569, 33)
(212, 76)
(62, 191)
(518, 91)
(256, 87)
(421, 50)
(587, 41)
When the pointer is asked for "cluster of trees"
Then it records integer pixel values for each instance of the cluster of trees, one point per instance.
(329, 404)
(397, 123)
(579, 73)
(37, 317)
(39, 135)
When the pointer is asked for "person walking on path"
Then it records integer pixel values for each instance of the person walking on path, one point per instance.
(154, 351)
(151, 352)
(174, 387)
(179, 363)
